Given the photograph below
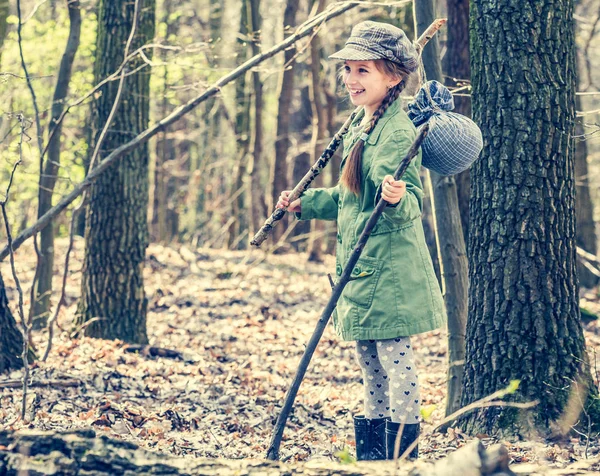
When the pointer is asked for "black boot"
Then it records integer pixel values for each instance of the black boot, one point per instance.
(370, 438)
(409, 434)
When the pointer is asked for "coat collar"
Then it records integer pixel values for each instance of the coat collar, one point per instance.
(390, 112)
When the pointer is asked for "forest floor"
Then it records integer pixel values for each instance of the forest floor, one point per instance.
(241, 320)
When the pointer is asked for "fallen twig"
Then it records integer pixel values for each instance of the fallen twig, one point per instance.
(154, 351)
(41, 383)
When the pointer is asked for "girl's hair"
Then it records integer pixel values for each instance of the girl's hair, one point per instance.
(352, 173)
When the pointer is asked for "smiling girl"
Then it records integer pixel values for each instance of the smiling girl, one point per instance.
(393, 292)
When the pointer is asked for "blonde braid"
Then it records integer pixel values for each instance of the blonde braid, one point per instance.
(352, 174)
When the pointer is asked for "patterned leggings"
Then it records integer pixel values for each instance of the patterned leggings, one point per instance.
(390, 381)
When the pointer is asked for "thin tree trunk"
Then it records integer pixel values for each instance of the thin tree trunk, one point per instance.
(45, 265)
(116, 235)
(524, 320)
(319, 129)
(257, 197)
(242, 133)
(458, 73)
(334, 167)
(4, 12)
(429, 225)
(450, 235)
(162, 153)
(584, 207)
(282, 142)
(301, 122)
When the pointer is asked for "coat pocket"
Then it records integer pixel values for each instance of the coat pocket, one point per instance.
(363, 282)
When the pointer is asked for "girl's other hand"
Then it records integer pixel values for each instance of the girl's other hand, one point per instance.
(283, 202)
(392, 190)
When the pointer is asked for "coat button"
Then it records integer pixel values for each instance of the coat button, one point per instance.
(338, 269)
(357, 270)
(339, 238)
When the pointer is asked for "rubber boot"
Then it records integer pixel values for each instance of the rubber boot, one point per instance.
(370, 438)
(409, 434)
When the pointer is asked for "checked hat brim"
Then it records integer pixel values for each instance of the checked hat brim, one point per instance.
(355, 53)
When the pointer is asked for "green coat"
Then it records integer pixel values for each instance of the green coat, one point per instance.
(393, 290)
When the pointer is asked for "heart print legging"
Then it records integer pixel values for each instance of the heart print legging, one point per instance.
(390, 380)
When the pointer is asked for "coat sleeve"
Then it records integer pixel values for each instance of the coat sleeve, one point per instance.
(386, 161)
(320, 203)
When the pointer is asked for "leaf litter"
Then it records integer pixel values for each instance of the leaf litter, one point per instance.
(240, 321)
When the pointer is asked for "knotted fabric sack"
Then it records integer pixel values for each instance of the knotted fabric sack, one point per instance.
(454, 141)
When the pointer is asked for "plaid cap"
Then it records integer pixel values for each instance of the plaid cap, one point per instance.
(370, 40)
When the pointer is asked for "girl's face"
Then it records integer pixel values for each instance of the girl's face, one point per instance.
(366, 84)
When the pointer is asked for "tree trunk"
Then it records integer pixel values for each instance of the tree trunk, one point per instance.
(457, 71)
(450, 235)
(11, 338)
(258, 206)
(584, 207)
(163, 149)
(319, 125)
(116, 234)
(45, 265)
(524, 320)
(334, 164)
(239, 227)
(4, 12)
(301, 122)
(282, 140)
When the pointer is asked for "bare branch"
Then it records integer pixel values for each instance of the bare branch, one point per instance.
(332, 12)
(25, 328)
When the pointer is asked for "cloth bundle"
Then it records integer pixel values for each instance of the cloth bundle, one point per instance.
(454, 141)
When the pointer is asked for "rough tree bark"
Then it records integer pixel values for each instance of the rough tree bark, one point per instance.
(11, 339)
(457, 71)
(524, 320)
(451, 239)
(282, 142)
(116, 235)
(41, 305)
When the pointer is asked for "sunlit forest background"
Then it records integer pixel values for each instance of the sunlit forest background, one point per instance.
(205, 169)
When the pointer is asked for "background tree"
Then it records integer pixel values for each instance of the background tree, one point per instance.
(286, 87)
(257, 196)
(524, 320)
(116, 235)
(238, 229)
(457, 74)
(4, 11)
(41, 304)
(450, 235)
(584, 206)
(319, 130)
(11, 339)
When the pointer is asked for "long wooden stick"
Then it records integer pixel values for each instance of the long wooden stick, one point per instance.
(303, 185)
(325, 157)
(303, 31)
(273, 451)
